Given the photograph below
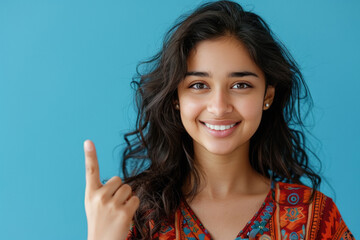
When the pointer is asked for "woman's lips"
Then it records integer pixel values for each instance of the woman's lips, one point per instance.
(220, 128)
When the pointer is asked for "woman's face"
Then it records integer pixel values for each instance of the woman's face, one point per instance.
(222, 96)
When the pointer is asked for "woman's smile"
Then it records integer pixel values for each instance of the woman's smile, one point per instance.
(220, 129)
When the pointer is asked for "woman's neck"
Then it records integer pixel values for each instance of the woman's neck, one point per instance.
(226, 176)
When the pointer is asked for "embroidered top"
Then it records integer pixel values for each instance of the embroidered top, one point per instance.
(286, 213)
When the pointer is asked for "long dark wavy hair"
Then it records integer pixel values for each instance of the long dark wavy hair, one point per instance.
(158, 158)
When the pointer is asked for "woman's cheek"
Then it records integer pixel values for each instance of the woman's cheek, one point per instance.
(252, 109)
(190, 108)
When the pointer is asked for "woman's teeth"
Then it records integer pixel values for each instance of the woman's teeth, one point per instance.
(219, 127)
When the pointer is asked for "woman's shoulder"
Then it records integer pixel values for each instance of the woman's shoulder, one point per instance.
(297, 202)
(292, 194)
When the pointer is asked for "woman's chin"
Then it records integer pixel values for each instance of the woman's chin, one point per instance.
(220, 150)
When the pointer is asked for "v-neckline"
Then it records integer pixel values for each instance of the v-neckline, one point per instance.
(257, 224)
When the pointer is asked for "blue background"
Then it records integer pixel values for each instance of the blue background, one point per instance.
(65, 69)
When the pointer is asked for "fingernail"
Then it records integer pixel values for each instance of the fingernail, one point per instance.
(87, 146)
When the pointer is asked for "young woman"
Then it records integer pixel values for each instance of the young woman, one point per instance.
(220, 135)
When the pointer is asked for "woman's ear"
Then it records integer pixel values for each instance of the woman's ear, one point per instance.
(269, 97)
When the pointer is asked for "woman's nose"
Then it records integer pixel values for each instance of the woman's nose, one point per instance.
(219, 103)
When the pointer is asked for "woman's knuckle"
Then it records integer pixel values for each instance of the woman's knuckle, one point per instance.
(103, 199)
(126, 188)
(124, 213)
(90, 169)
(136, 200)
(113, 206)
(99, 198)
(116, 179)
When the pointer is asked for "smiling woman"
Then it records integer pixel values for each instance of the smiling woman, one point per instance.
(219, 121)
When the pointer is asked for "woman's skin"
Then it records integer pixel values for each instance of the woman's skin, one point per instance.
(223, 87)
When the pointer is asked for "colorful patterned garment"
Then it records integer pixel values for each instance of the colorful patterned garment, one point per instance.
(285, 214)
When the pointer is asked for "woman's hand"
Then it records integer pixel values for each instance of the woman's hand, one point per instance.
(110, 207)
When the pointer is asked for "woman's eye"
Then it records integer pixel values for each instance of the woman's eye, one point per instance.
(241, 86)
(199, 86)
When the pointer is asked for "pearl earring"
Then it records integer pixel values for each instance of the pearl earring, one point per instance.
(177, 106)
(267, 105)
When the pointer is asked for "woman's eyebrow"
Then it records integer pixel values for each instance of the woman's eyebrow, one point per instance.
(197, 74)
(243, 74)
(233, 74)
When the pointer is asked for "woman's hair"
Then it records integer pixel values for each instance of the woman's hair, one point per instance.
(161, 145)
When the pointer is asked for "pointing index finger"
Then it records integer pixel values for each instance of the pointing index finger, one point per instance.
(91, 166)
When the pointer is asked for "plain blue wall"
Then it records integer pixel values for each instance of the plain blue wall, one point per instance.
(65, 69)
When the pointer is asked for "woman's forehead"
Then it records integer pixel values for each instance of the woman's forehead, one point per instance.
(225, 56)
